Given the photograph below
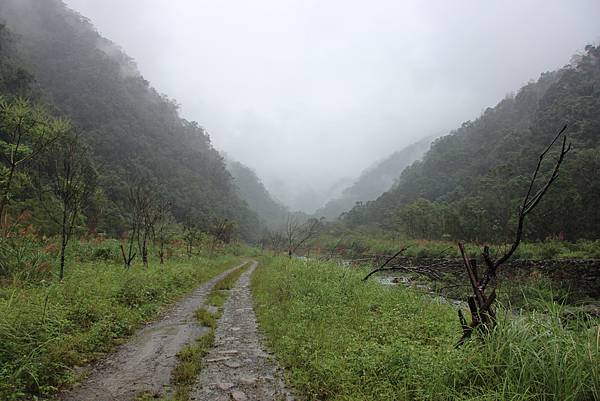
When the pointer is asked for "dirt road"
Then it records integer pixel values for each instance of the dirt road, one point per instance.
(144, 363)
(237, 367)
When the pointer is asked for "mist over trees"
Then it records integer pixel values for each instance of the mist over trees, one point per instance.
(375, 180)
(250, 188)
(55, 57)
(469, 183)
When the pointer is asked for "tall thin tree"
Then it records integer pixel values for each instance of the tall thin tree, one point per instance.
(66, 173)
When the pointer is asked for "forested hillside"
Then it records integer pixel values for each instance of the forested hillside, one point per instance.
(251, 189)
(375, 180)
(469, 184)
(55, 57)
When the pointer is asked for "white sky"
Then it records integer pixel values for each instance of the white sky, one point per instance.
(310, 92)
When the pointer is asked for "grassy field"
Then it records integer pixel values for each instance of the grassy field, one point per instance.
(345, 340)
(49, 327)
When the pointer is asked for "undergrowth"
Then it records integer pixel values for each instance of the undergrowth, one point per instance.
(344, 339)
(353, 244)
(47, 328)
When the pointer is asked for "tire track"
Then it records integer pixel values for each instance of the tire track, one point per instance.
(145, 363)
(237, 367)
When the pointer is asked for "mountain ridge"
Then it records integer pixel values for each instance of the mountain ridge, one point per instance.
(375, 179)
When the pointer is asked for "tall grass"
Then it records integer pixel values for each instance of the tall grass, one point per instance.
(343, 339)
(48, 328)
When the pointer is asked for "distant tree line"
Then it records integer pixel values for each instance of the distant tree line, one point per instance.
(469, 184)
(87, 147)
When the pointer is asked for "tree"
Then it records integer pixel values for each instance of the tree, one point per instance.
(480, 303)
(140, 204)
(146, 209)
(297, 234)
(65, 171)
(274, 239)
(162, 230)
(191, 234)
(25, 132)
(223, 230)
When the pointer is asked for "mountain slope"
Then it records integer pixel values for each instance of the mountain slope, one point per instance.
(252, 190)
(375, 180)
(135, 132)
(470, 182)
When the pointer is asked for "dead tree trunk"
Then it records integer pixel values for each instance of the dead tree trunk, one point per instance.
(481, 302)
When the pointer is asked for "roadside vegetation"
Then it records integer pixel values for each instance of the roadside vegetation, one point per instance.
(49, 327)
(345, 339)
(336, 240)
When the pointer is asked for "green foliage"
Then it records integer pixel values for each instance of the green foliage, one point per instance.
(47, 328)
(25, 133)
(22, 256)
(13, 77)
(353, 243)
(470, 183)
(343, 339)
(131, 129)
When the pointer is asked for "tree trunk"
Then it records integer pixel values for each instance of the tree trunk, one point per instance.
(4, 200)
(161, 253)
(63, 245)
(145, 249)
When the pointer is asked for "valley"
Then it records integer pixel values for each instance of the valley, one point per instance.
(405, 256)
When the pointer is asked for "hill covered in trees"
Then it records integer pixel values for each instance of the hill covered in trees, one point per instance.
(55, 57)
(251, 189)
(470, 183)
(375, 180)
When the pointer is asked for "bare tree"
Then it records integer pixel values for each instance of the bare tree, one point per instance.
(147, 204)
(275, 239)
(66, 172)
(141, 205)
(297, 234)
(161, 230)
(480, 303)
(292, 229)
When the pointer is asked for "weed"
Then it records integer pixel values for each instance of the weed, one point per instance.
(48, 327)
(344, 339)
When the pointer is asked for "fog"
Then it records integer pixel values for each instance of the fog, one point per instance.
(309, 93)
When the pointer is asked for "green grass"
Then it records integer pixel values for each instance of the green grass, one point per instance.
(189, 365)
(220, 291)
(343, 339)
(206, 318)
(190, 357)
(355, 243)
(49, 327)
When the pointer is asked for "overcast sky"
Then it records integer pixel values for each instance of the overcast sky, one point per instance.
(310, 92)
